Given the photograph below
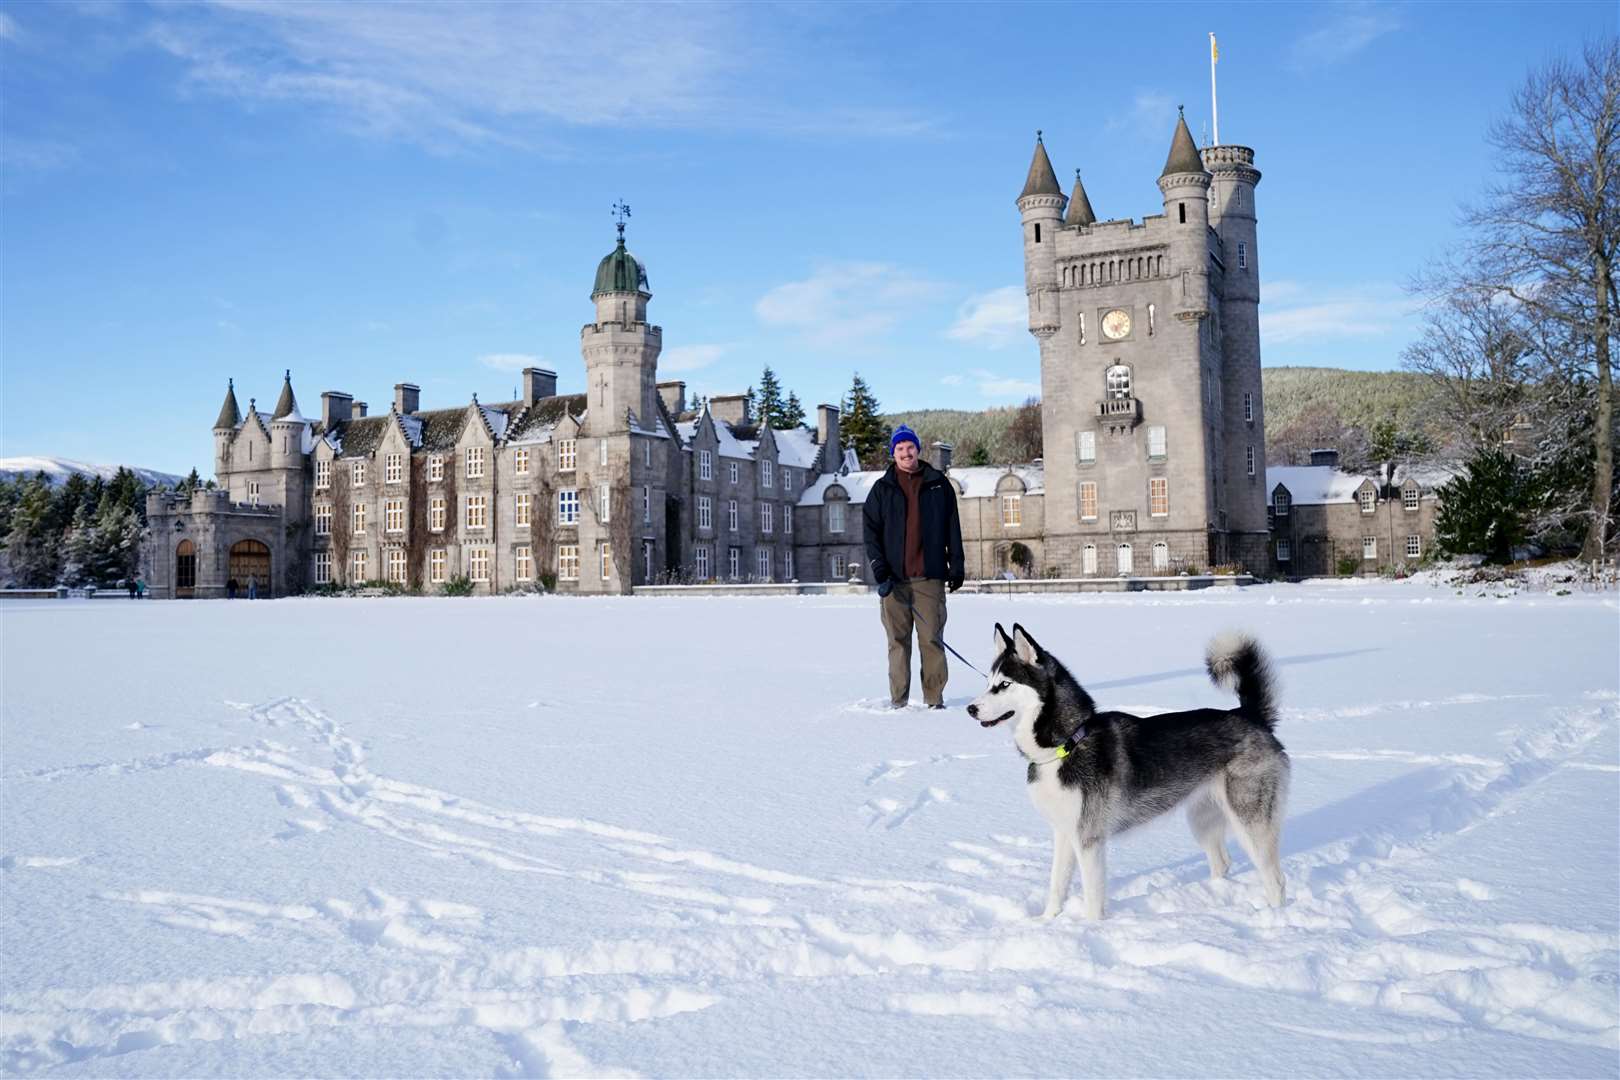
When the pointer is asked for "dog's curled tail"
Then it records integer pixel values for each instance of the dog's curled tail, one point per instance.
(1236, 663)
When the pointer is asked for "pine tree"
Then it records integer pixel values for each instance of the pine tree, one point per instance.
(1484, 511)
(792, 412)
(863, 426)
(78, 546)
(980, 455)
(32, 546)
(769, 402)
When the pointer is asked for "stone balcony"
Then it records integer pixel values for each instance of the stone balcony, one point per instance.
(1119, 414)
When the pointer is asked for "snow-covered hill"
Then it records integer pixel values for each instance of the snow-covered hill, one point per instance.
(582, 837)
(59, 469)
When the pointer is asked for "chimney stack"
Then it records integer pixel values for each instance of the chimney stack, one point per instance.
(357, 410)
(827, 436)
(942, 456)
(674, 394)
(407, 398)
(1325, 457)
(538, 383)
(731, 408)
(334, 408)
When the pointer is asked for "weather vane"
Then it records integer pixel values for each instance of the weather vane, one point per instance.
(621, 210)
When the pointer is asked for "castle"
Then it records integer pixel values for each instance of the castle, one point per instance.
(1153, 462)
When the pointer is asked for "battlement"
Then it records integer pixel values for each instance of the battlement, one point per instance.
(598, 328)
(1216, 157)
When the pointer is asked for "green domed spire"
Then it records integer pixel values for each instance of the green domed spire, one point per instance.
(620, 271)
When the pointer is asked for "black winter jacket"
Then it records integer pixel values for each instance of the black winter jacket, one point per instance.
(885, 518)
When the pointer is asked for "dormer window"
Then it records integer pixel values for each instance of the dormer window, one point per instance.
(1368, 499)
(1409, 498)
(1280, 501)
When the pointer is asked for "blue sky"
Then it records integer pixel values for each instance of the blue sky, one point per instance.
(375, 194)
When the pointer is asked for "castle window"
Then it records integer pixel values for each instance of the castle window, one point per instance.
(1181, 211)
(521, 509)
(1123, 557)
(1037, 240)
(835, 518)
(568, 507)
(602, 452)
(731, 515)
(1088, 500)
(1409, 498)
(394, 516)
(1369, 548)
(475, 462)
(1119, 381)
(1158, 497)
(762, 564)
(646, 458)
(436, 566)
(1082, 328)
(701, 554)
(1087, 447)
(323, 567)
(1248, 408)
(477, 516)
(357, 519)
(787, 565)
(839, 567)
(787, 520)
(731, 471)
(1161, 556)
(607, 561)
(357, 473)
(478, 564)
(357, 567)
(646, 509)
(1368, 498)
(323, 475)
(1281, 501)
(396, 565)
(1088, 559)
(1012, 511)
(734, 563)
(520, 461)
(1248, 456)
(436, 514)
(604, 503)
(787, 478)
(567, 452)
(435, 467)
(1156, 442)
(765, 517)
(1151, 320)
(393, 468)
(767, 473)
(253, 493)
(705, 465)
(323, 519)
(1285, 551)
(1161, 266)
(525, 563)
(1414, 547)
(568, 562)
(705, 513)
(1243, 256)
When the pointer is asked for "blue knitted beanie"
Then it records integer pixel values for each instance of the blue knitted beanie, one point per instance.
(903, 434)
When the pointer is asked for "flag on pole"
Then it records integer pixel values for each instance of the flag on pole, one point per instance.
(1214, 50)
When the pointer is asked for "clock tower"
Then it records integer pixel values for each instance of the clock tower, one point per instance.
(1154, 440)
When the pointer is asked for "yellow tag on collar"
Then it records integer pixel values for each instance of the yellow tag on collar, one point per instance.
(1063, 751)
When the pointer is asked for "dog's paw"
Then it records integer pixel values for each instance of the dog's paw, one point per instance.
(1050, 913)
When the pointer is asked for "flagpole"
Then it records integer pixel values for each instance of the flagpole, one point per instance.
(1214, 108)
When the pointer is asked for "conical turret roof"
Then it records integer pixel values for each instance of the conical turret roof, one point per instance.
(229, 414)
(1080, 212)
(1184, 156)
(1041, 180)
(286, 403)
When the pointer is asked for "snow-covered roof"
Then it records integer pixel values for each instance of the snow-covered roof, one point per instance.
(1310, 485)
(796, 446)
(980, 481)
(729, 444)
(856, 484)
(496, 419)
(1427, 477)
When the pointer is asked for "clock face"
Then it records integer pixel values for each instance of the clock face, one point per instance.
(1116, 324)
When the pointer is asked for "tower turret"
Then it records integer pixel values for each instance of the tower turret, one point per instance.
(287, 429)
(1041, 207)
(225, 430)
(1080, 212)
(1185, 185)
(620, 348)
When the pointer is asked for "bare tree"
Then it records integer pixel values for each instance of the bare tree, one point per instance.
(1319, 428)
(1549, 233)
(1024, 435)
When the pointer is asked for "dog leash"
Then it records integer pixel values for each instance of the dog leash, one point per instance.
(939, 639)
(1069, 746)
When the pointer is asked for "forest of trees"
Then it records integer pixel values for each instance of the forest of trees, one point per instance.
(87, 531)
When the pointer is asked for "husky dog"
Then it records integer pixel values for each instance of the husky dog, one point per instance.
(1094, 774)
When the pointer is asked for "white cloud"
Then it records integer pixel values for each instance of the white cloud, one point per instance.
(689, 357)
(8, 28)
(510, 361)
(995, 319)
(1349, 30)
(1369, 311)
(1148, 115)
(846, 302)
(995, 385)
(481, 73)
(953, 380)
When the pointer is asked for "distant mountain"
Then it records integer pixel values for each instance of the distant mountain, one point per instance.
(57, 470)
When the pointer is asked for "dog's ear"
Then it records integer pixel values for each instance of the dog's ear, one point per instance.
(1000, 641)
(1028, 651)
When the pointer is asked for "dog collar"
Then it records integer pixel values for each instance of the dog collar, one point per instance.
(1068, 747)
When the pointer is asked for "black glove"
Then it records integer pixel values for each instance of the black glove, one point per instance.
(954, 584)
(885, 587)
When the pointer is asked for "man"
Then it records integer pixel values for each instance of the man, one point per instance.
(914, 547)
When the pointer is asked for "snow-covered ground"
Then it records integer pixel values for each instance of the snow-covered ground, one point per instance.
(519, 837)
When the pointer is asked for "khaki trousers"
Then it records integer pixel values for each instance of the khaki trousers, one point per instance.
(927, 597)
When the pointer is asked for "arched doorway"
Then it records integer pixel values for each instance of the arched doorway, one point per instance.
(250, 566)
(185, 570)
